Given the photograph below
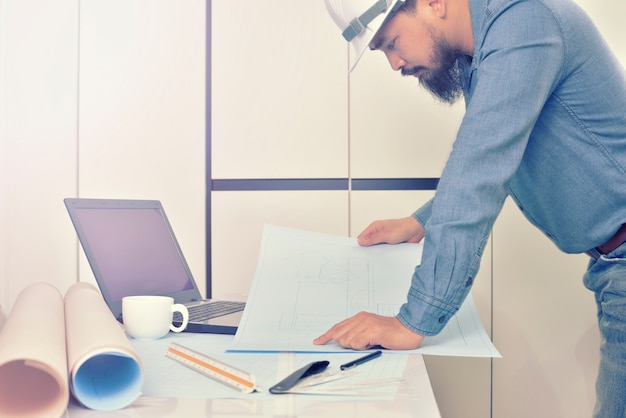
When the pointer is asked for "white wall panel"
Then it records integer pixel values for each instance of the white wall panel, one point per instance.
(279, 83)
(396, 128)
(142, 111)
(237, 226)
(38, 118)
(544, 324)
(609, 17)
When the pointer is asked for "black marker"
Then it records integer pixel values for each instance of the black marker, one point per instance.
(361, 360)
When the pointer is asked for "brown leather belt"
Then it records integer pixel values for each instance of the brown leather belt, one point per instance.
(615, 241)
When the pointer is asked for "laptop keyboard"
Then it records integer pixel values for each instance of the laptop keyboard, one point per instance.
(211, 310)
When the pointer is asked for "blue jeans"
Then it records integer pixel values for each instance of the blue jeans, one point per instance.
(606, 277)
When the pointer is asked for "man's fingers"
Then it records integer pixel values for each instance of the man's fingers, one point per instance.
(349, 333)
(323, 339)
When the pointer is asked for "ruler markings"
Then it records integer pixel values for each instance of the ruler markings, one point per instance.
(212, 368)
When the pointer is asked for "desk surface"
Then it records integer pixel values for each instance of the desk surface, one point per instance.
(414, 397)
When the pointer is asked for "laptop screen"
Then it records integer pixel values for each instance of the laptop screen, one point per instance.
(134, 251)
(131, 249)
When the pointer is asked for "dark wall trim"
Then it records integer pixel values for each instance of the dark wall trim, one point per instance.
(280, 184)
(323, 184)
(207, 160)
(395, 184)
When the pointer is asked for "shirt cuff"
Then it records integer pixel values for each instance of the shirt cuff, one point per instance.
(422, 215)
(425, 315)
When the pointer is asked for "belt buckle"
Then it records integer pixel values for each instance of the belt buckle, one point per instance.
(594, 253)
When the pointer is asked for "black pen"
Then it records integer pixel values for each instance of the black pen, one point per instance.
(361, 360)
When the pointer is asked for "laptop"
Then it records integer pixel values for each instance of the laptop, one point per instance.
(132, 250)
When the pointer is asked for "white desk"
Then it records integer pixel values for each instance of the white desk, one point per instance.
(415, 397)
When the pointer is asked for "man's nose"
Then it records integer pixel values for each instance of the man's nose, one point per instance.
(395, 61)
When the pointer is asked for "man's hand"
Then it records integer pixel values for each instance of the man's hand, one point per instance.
(392, 231)
(365, 330)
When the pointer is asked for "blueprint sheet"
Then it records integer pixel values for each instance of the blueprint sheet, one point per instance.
(306, 282)
(380, 379)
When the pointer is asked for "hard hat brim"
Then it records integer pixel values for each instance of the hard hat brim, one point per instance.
(362, 41)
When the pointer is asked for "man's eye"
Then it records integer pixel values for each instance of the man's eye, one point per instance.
(391, 45)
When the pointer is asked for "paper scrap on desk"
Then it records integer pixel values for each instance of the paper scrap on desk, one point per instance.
(306, 281)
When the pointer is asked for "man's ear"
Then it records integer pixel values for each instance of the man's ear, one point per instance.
(438, 7)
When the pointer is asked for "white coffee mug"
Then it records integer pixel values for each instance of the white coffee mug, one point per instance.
(150, 317)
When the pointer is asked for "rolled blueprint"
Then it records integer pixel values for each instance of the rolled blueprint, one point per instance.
(33, 365)
(45, 339)
(105, 372)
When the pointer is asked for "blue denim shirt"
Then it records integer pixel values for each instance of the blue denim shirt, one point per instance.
(545, 123)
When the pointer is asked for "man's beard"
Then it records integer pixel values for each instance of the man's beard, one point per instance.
(444, 81)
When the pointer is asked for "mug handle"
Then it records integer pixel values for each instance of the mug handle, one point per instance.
(179, 307)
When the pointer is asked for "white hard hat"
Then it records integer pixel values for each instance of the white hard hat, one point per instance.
(359, 20)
